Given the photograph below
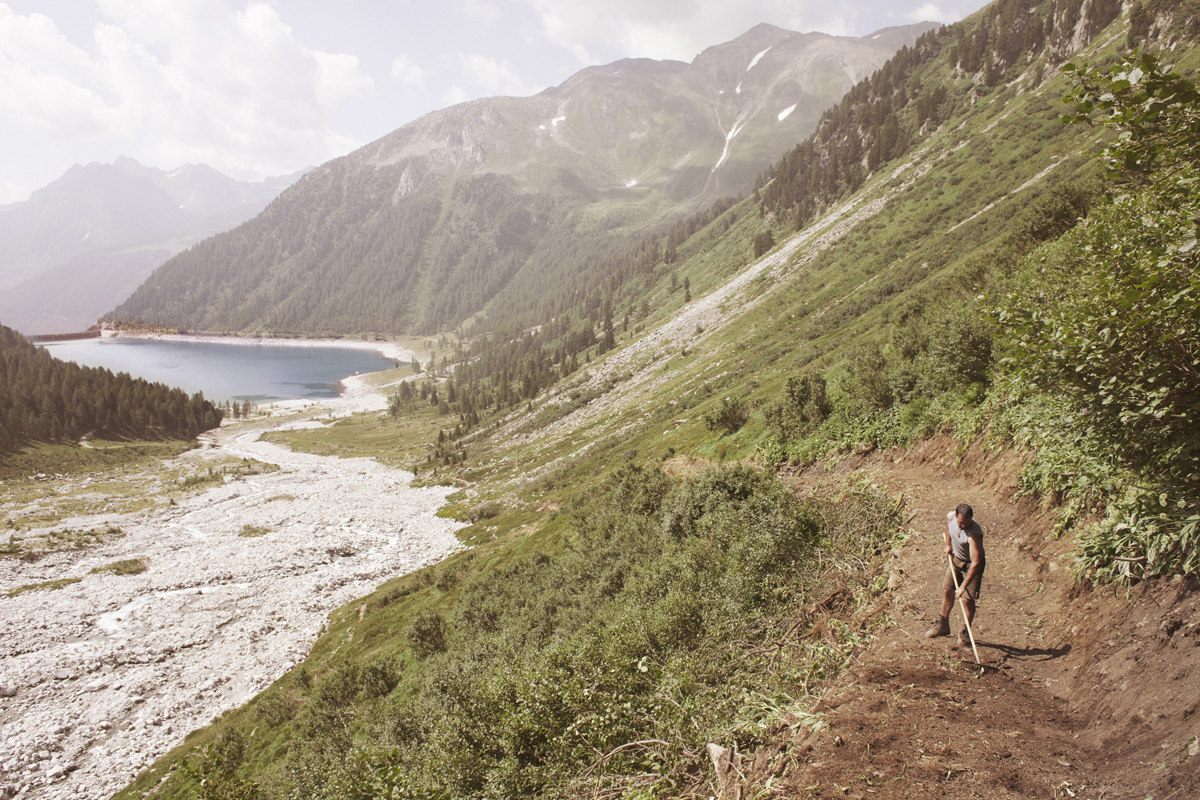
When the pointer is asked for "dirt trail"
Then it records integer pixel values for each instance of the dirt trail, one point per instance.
(1085, 693)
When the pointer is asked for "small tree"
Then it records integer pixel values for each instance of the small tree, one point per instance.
(427, 635)
(800, 410)
(867, 377)
(959, 349)
(763, 242)
(729, 415)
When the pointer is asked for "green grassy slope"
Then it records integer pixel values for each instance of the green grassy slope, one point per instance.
(612, 618)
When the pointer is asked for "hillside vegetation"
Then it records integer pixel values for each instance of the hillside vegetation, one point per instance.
(944, 255)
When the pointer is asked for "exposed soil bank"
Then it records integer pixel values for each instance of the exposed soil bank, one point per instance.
(111, 672)
(1084, 692)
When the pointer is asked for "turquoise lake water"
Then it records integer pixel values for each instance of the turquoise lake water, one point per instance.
(224, 371)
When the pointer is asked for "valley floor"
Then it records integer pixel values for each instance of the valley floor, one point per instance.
(1083, 691)
(106, 674)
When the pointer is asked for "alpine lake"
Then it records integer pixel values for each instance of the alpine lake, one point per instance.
(234, 370)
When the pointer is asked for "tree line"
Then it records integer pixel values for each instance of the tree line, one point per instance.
(524, 354)
(43, 399)
(884, 116)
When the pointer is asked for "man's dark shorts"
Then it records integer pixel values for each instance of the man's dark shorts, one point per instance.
(959, 572)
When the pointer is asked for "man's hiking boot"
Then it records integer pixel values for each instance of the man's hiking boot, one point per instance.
(940, 628)
(964, 638)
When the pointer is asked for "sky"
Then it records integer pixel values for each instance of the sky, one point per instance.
(266, 87)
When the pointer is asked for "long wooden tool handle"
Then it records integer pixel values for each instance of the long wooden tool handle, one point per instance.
(963, 606)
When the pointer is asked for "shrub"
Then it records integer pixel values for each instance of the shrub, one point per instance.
(866, 382)
(214, 769)
(799, 411)
(960, 349)
(763, 242)
(276, 707)
(704, 494)
(426, 635)
(729, 415)
(649, 626)
(913, 417)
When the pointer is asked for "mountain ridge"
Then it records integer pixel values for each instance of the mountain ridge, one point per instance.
(591, 165)
(85, 241)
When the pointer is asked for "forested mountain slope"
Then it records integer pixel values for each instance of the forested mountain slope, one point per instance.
(645, 582)
(466, 209)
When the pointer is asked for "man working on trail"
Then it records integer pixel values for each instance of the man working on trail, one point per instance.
(964, 545)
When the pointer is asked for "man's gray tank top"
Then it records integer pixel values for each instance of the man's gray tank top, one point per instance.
(958, 537)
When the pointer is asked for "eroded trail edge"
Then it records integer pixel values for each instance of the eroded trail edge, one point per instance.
(1085, 691)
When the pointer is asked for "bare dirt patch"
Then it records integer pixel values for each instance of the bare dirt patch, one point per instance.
(1084, 691)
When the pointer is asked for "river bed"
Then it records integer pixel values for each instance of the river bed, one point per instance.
(107, 674)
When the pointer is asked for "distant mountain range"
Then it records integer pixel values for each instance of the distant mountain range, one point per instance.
(83, 243)
(500, 203)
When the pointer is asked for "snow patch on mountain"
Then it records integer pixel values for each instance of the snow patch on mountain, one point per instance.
(737, 127)
(754, 60)
(784, 114)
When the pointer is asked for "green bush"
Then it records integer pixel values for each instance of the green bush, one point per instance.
(763, 242)
(427, 634)
(799, 411)
(213, 769)
(621, 637)
(866, 382)
(705, 493)
(729, 416)
(1143, 534)
(914, 419)
(960, 348)
(275, 707)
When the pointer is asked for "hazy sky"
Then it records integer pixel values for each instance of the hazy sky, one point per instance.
(268, 86)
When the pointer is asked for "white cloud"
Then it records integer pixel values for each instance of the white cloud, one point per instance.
(186, 80)
(46, 82)
(481, 11)
(405, 71)
(455, 95)
(340, 78)
(496, 77)
(933, 13)
(675, 29)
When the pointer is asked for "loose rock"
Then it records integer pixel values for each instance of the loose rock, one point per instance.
(209, 610)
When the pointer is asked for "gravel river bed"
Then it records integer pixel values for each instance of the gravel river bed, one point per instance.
(102, 676)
